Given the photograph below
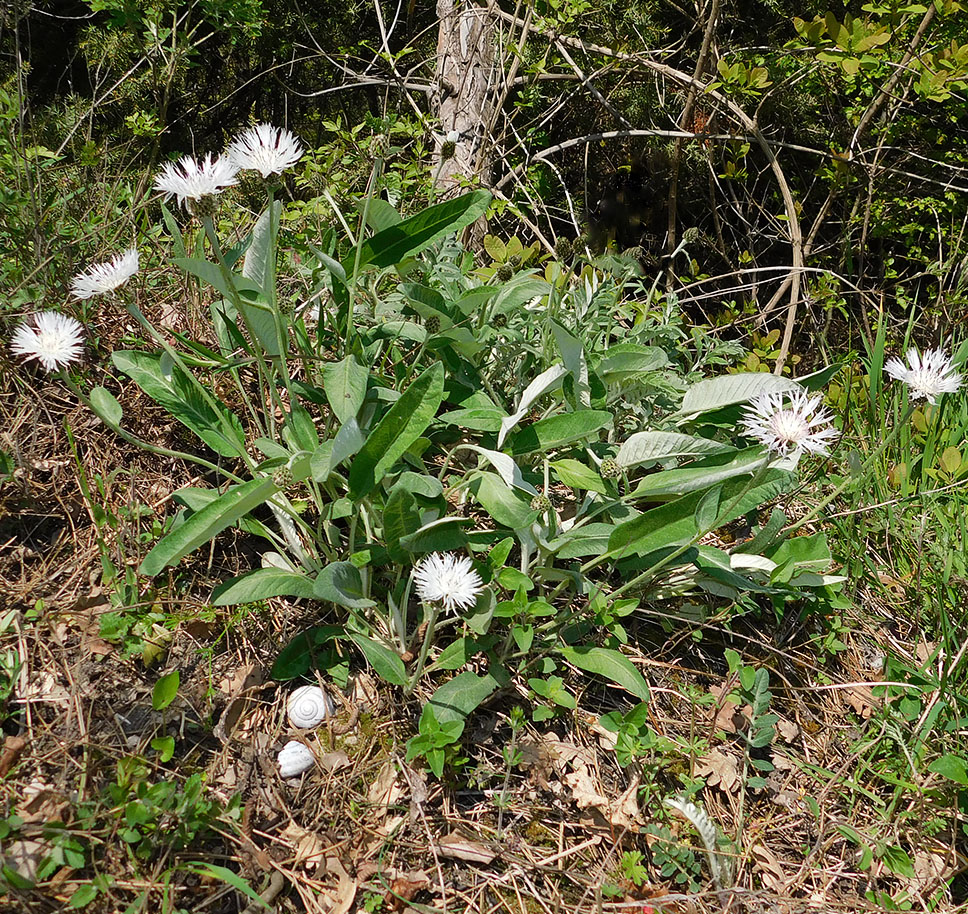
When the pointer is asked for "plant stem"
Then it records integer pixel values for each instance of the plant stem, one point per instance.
(424, 650)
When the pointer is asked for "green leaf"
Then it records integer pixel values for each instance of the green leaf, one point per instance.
(651, 447)
(387, 665)
(459, 696)
(341, 583)
(589, 539)
(707, 511)
(299, 656)
(575, 474)
(165, 747)
(259, 268)
(106, 407)
(230, 878)
(83, 895)
(547, 380)
(558, 431)
(506, 467)
(398, 429)
(165, 690)
(674, 523)
(400, 518)
(206, 523)
(446, 534)
(221, 431)
(345, 385)
(610, 664)
(380, 214)
(476, 419)
(628, 361)
(701, 475)
(504, 506)
(413, 235)
(951, 767)
(714, 393)
(573, 356)
(211, 274)
(174, 231)
(261, 584)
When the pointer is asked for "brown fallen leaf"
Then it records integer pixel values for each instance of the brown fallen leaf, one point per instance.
(239, 688)
(333, 761)
(769, 868)
(13, 747)
(583, 789)
(625, 811)
(310, 849)
(457, 847)
(719, 769)
(403, 888)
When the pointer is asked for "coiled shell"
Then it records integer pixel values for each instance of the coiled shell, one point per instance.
(294, 759)
(309, 706)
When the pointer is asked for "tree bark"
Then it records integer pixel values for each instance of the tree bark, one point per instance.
(465, 73)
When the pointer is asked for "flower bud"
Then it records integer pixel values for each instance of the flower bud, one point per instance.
(282, 477)
(610, 468)
(504, 272)
(540, 503)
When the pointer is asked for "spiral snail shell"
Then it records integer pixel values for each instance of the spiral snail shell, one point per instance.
(309, 706)
(294, 759)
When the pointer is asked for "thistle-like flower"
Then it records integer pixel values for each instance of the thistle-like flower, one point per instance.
(928, 376)
(54, 339)
(792, 429)
(189, 179)
(106, 277)
(265, 149)
(447, 579)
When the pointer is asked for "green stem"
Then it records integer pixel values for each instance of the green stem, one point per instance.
(424, 650)
(353, 280)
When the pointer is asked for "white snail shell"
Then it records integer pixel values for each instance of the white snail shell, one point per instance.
(294, 759)
(309, 706)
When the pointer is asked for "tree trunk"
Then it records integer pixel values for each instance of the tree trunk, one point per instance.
(465, 71)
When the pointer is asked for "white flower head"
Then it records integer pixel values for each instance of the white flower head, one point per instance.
(448, 579)
(54, 339)
(189, 179)
(928, 376)
(789, 429)
(265, 149)
(106, 277)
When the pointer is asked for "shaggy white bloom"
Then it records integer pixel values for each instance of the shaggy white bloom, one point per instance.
(929, 376)
(791, 429)
(106, 277)
(52, 338)
(448, 579)
(265, 149)
(188, 179)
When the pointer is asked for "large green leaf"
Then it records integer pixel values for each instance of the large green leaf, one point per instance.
(510, 472)
(610, 664)
(675, 523)
(413, 235)
(660, 486)
(259, 268)
(445, 534)
(459, 696)
(501, 502)
(261, 584)
(547, 380)
(106, 406)
(558, 431)
(341, 583)
(649, 447)
(210, 273)
(714, 393)
(387, 665)
(211, 520)
(345, 385)
(172, 389)
(398, 429)
(400, 518)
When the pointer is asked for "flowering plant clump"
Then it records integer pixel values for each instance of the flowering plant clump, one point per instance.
(447, 579)
(53, 339)
(189, 179)
(266, 149)
(106, 277)
(928, 376)
(789, 429)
